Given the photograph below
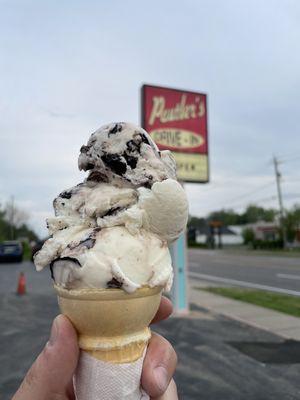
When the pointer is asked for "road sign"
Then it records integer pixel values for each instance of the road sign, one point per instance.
(177, 121)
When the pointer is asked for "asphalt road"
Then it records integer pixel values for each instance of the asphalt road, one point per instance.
(218, 358)
(275, 273)
(216, 266)
(36, 282)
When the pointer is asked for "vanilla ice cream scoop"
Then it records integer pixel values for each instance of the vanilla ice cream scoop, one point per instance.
(113, 229)
(166, 209)
(106, 258)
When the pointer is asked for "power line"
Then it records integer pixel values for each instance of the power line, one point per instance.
(266, 199)
(283, 159)
(288, 155)
(291, 195)
(288, 159)
(234, 180)
(290, 180)
(245, 204)
(259, 200)
(232, 202)
(259, 189)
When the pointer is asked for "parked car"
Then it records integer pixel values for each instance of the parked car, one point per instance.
(11, 251)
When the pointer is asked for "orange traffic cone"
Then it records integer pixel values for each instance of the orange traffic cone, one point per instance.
(21, 289)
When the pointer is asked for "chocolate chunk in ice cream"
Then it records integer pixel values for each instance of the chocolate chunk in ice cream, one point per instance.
(126, 153)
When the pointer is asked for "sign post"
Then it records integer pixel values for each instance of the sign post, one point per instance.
(180, 287)
(177, 121)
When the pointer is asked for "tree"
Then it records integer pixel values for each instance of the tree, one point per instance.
(254, 214)
(226, 217)
(248, 236)
(195, 222)
(13, 223)
(14, 215)
(251, 215)
(292, 222)
(4, 227)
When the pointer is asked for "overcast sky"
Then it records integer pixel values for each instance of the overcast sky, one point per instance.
(67, 67)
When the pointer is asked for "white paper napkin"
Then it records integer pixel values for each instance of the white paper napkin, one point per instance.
(98, 380)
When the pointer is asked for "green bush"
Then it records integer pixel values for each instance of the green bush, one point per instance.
(197, 245)
(267, 244)
(26, 251)
(248, 236)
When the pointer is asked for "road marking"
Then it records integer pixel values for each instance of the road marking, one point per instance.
(287, 276)
(243, 283)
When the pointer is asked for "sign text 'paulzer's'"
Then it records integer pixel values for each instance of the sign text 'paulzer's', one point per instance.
(180, 112)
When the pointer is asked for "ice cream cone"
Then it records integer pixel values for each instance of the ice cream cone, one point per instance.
(112, 325)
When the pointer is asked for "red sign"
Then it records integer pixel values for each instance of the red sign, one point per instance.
(177, 121)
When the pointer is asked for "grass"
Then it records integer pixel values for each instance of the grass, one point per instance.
(279, 302)
(247, 251)
(295, 253)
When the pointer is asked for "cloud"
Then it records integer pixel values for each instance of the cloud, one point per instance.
(66, 71)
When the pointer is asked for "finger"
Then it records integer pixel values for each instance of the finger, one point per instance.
(51, 374)
(170, 393)
(165, 309)
(159, 366)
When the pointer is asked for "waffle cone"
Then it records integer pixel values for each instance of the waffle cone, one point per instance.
(112, 325)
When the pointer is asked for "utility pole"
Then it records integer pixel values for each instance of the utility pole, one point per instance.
(279, 194)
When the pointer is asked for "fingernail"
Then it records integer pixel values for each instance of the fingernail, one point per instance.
(54, 332)
(161, 377)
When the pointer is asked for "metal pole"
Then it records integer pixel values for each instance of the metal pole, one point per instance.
(180, 288)
(279, 194)
(180, 285)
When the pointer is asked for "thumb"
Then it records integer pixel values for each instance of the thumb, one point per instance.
(50, 375)
(170, 393)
